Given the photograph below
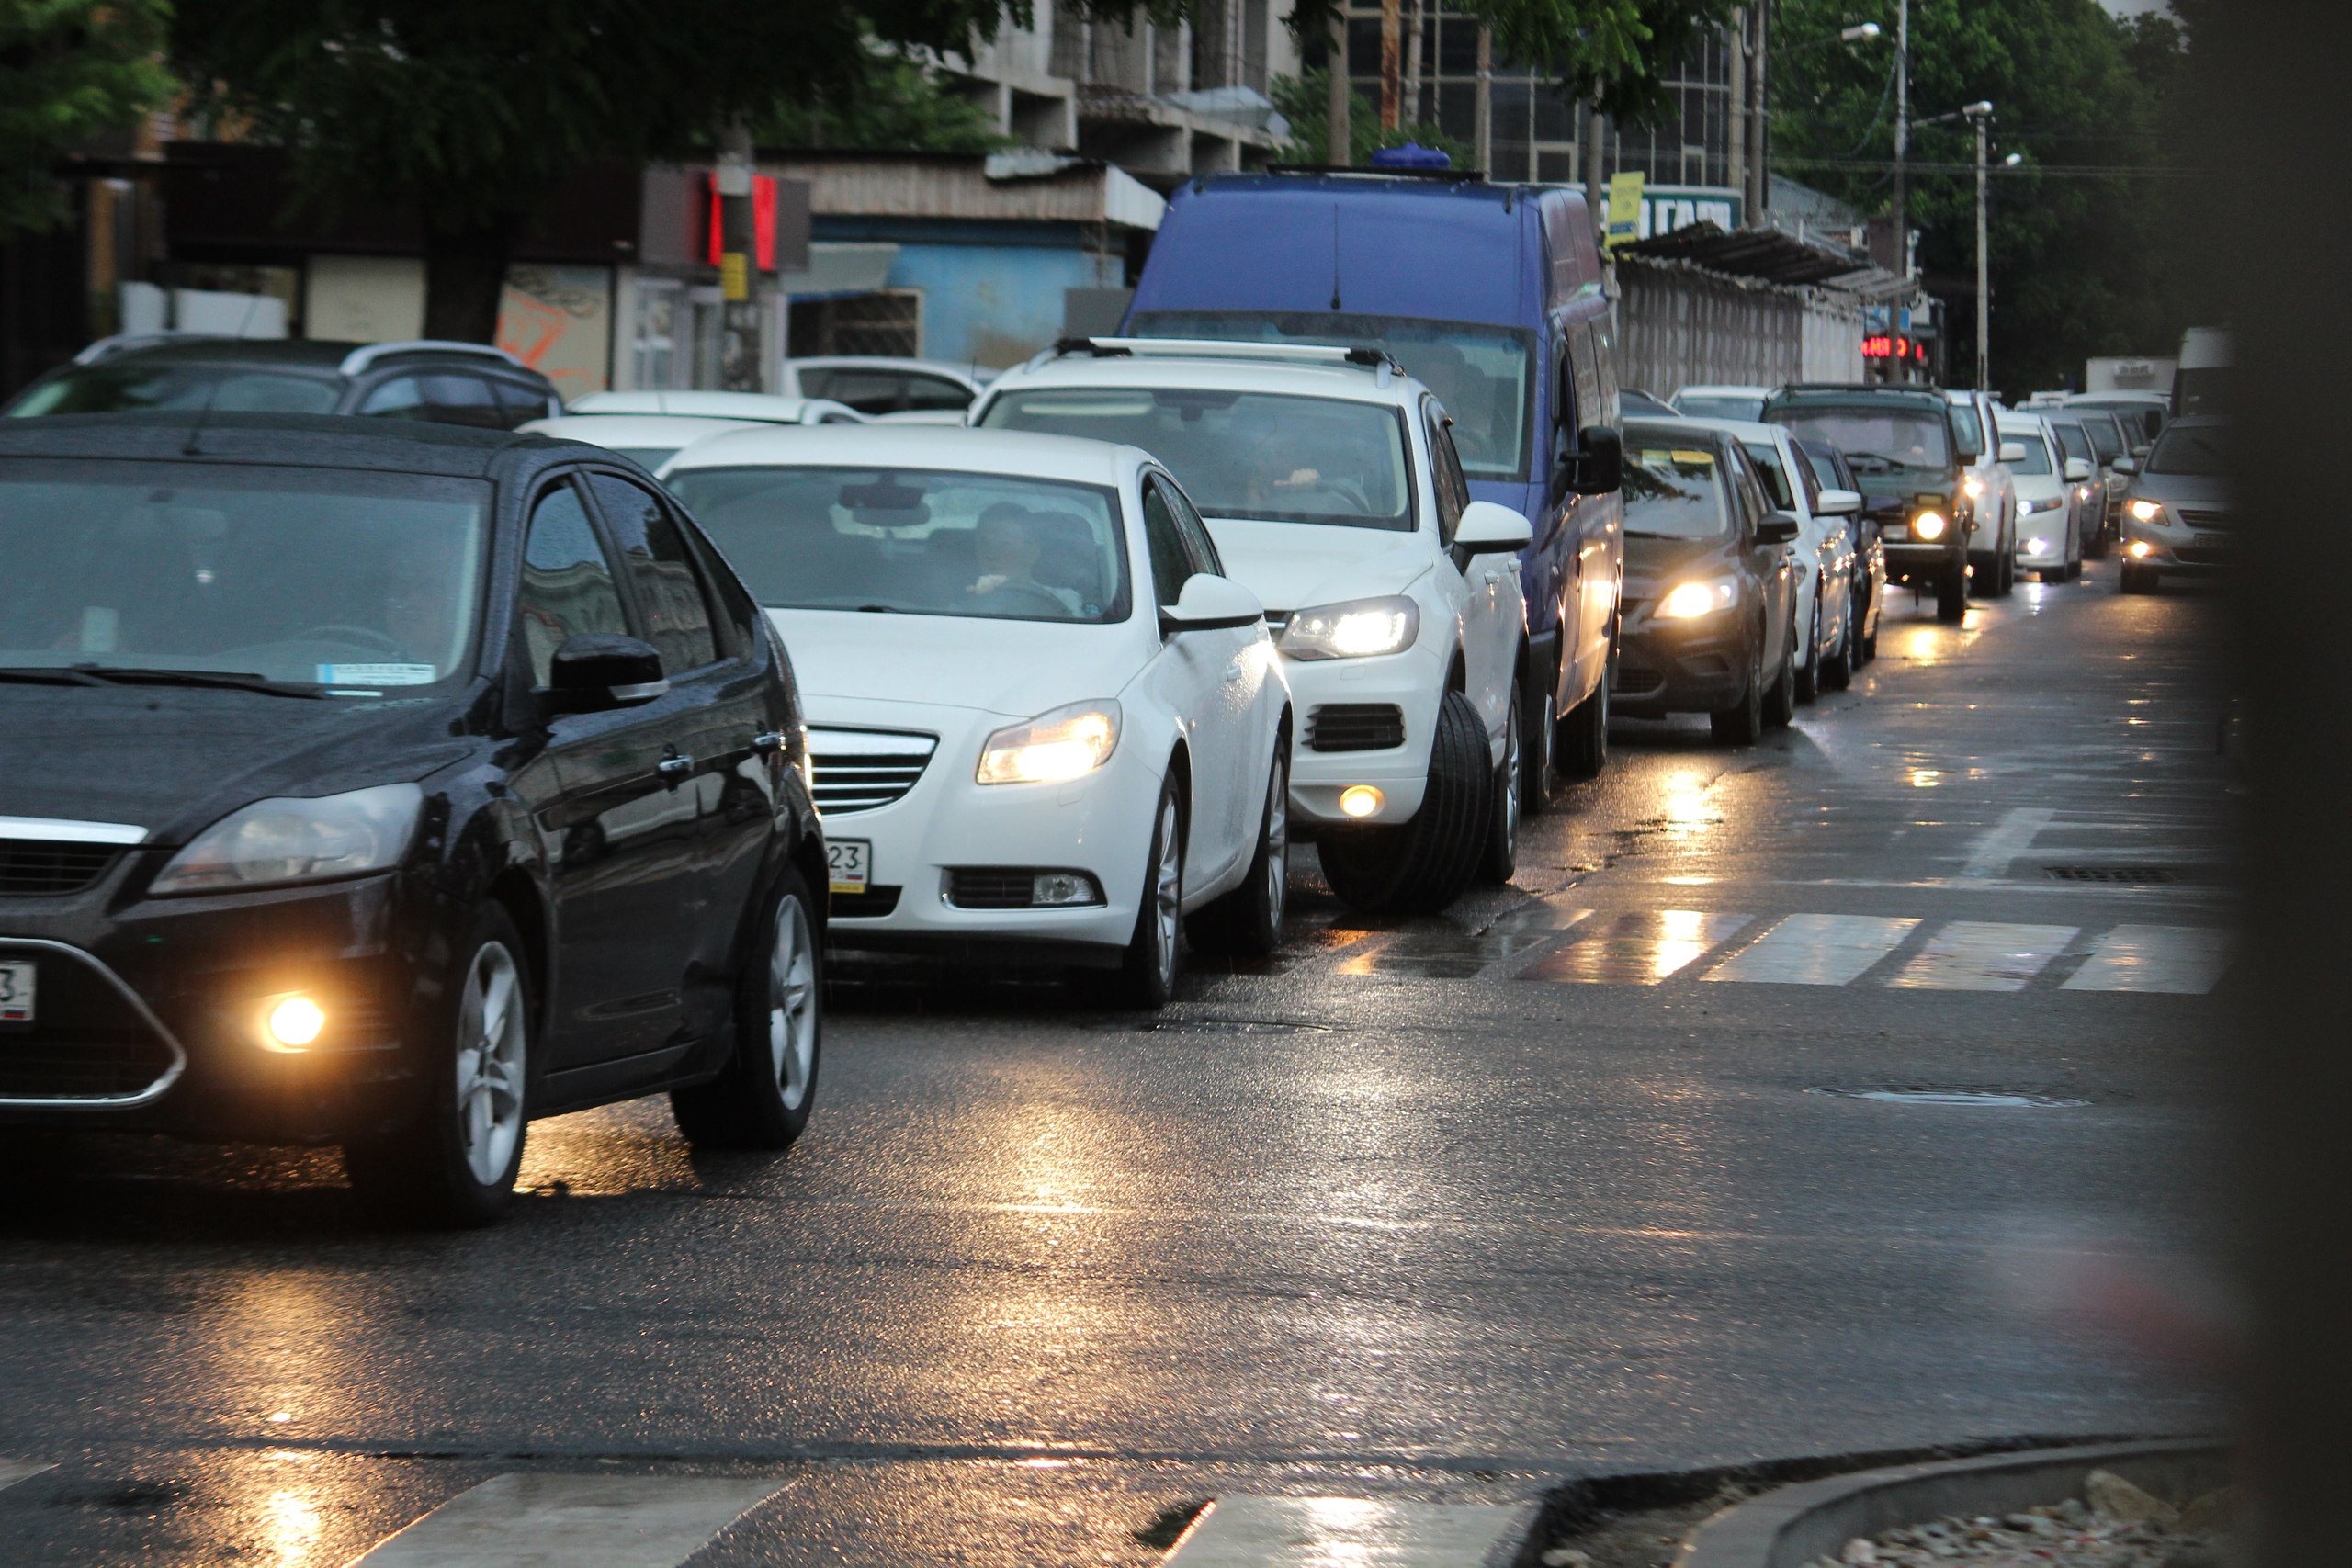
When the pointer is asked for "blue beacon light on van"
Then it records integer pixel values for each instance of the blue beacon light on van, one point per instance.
(1412, 155)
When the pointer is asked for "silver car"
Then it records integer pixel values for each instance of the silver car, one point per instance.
(2180, 515)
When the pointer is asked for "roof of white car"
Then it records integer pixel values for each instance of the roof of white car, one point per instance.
(1321, 377)
(959, 371)
(1725, 389)
(763, 406)
(952, 448)
(634, 429)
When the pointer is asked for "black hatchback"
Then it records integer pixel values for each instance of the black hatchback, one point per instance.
(389, 788)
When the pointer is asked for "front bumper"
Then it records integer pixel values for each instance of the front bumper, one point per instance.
(1693, 666)
(2177, 550)
(147, 1011)
(1099, 825)
(2051, 530)
(1343, 705)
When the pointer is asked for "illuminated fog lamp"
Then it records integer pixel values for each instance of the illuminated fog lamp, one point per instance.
(1359, 800)
(1928, 526)
(292, 1023)
(2142, 550)
(2036, 547)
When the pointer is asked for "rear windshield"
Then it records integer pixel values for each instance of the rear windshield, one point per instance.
(223, 389)
(303, 576)
(921, 542)
(2199, 451)
(1263, 456)
(1674, 493)
(1478, 373)
(1719, 405)
(1881, 440)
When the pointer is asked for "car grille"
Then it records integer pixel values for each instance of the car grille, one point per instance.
(1355, 727)
(862, 770)
(1637, 680)
(31, 868)
(870, 905)
(2192, 556)
(991, 886)
(2209, 519)
(87, 1041)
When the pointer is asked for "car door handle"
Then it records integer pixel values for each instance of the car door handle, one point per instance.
(768, 740)
(674, 767)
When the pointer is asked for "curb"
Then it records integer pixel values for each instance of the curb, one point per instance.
(1795, 1525)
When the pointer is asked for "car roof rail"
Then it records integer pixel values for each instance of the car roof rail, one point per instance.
(123, 343)
(1364, 355)
(359, 359)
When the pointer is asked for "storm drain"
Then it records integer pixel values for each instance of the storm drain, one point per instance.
(2135, 876)
(1978, 1099)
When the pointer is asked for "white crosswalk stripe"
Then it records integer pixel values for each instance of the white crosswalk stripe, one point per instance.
(15, 1469)
(2181, 960)
(1313, 1532)
(1983, 955)
(531, 1520)
(1816, 950)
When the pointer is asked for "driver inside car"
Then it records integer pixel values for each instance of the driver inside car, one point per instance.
(1005, 548)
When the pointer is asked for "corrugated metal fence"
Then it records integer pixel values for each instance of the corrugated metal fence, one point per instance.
(1679, 325)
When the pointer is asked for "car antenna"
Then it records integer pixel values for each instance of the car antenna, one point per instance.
(191, 447)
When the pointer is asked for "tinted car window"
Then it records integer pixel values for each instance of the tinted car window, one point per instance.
(1170, 565)
(669, 590)
(567, 582)
(2199, 450)
(1445, 472)
(463, 399)
(937, 393)
(871, 390)
(2072, 441)
(1198, 544)
(1768, 469)
(2106, 439)
(223, 389)
(1875, 440)
(517, 403)
(402, 397)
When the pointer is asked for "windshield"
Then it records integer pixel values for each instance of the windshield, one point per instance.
(2037, 453)
(223, 389)
(1875, 440)
(2201, 451)
(1716, 405)
(1674, 493)
(308, 576)
(923, 542)
(1478, 373)
(1260, 455)
(2105, 437)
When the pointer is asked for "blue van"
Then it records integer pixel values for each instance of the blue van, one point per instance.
(1490, 294)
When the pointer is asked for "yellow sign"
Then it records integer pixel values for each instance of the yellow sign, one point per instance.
(1624, 209)
(734, 276)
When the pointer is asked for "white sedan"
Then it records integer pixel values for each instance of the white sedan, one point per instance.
(2047, 544)
(759, 408)
(1044, 723)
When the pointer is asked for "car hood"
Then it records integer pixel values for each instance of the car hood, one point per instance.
(2186, 490)
(1294, 566)
(1014, 668)
(2041, 487)
(173, 759)
(1650, 561)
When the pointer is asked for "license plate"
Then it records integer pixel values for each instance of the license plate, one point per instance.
(2212, 542)
(17, 993)
(848, 863)
(1897, 532)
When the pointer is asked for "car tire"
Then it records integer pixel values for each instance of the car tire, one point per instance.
(2007, 583)
(1500, 856)
(1951, 594)
(1584, 734)
(1145, 979)
(1809, 676)
(1540, 751)
(1837, 669)
(762, 1098)
(1742, 724)
(1426, 864)
(452, 1164)
(1249, 921)
(1780, 699)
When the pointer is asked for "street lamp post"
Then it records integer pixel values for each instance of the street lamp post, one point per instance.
(1902, 142)
(1980, 115)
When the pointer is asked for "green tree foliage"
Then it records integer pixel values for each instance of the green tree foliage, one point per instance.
(2081, 258)
(70, 70)
(1304, 102)
(898, 107)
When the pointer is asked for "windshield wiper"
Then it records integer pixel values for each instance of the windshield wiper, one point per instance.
(226, 679)
(49, 675)
(1885, 462)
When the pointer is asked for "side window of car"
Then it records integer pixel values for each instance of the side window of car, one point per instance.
(1809, 479)
(1753, 502)
(517, 403)
(1170, 563)
(935, 393)
(455, 399)
(1605, 367)
(568, 585)
(402, 397)
(1451, 490)
(660, 569)
(1200, 545)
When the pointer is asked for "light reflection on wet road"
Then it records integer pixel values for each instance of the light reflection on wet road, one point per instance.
(1444, 1208)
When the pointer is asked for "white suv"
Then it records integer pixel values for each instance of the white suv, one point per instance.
(1329, 482)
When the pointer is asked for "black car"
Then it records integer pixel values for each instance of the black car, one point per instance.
(1908, 453)
(427, 380)
(388, 786)
(1710, 598)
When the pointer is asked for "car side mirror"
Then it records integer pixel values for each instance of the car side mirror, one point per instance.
(2125, 464)
(1489, 528)
(596, 672)
(1838, 503)
(1597, 464)
(2013, 451)
(1210, 603)
(1778, 527)
(2077, 470)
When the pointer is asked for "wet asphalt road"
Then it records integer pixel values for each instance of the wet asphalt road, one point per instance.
(1451, 1208)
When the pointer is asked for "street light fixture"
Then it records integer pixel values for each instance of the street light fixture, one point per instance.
(1858, 33)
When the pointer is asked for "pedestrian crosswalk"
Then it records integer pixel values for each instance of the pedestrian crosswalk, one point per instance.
(538, 1520)
(1549, 943)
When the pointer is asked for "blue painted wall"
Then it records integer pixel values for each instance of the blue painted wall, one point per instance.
(991, 292)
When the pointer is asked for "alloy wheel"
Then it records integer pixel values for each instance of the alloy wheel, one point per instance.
(1168, 893)
(1278, 839)
(1510, 771)
(493, 1040)
(792, 1004)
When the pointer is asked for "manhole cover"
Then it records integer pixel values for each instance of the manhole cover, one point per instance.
(2141, 874)
(1982, 1099)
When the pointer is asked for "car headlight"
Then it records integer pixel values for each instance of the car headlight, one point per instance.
(2147, 510)
(1689, 601)
(1974, 486)
(1066, 743)
(1928, 525)
(272, 842)
(2053, 505)
(1357, 630)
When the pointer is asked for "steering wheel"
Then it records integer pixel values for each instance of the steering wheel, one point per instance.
(1044, 598)
(365, 636)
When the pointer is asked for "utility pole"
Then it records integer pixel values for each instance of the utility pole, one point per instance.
(1339, 137)
(1392, 38)
(739, 334)
(1981, 116)
(1903, 142)
(1482, 114)
(1759, 185)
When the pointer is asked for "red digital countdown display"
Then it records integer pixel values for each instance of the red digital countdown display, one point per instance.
(1895, 345)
